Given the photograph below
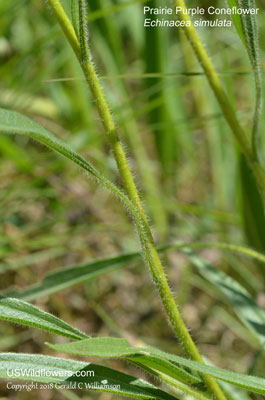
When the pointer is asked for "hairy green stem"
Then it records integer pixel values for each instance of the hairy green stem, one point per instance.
(148, 246)
(228, 111)
(144, 165)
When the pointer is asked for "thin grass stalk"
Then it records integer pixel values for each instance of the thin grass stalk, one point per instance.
(243, 139)
(148, 246)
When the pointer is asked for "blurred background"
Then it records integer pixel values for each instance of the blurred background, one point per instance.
(193, 182)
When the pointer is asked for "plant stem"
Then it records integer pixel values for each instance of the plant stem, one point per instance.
(149, 250)
(228, 111)
(144, 165)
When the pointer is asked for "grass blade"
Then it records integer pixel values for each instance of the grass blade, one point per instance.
(67, 277)
(108, 347)
(75, 16)
(252, 208)
(118, 349)
(249, 30)
(18, 311)
(250, 383)
(175, 384)
(53, 369)
(237, 21)
(251, 34)
(250, 314)
(15, 123)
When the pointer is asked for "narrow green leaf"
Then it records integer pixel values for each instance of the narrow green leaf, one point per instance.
(83, 31)
(237, 21)
(13, 122)
(108, 347)
(75, 16)
(167, 368)
(243, 304)
(151, 76)
(251, 383)
(64, 278)
(174, 383)
(243, 251)
(250, 30)
(252, 209)
(18, 311)
(67, 277)
(250, 314)
(58, 370)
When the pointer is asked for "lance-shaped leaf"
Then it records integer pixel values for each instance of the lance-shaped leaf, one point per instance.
(108, 347)
(251, 315)
(237, 20)
(13, 122)
(23, 313)
(64, 278)
(67, 277)
(38, 368)
(118, 349)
